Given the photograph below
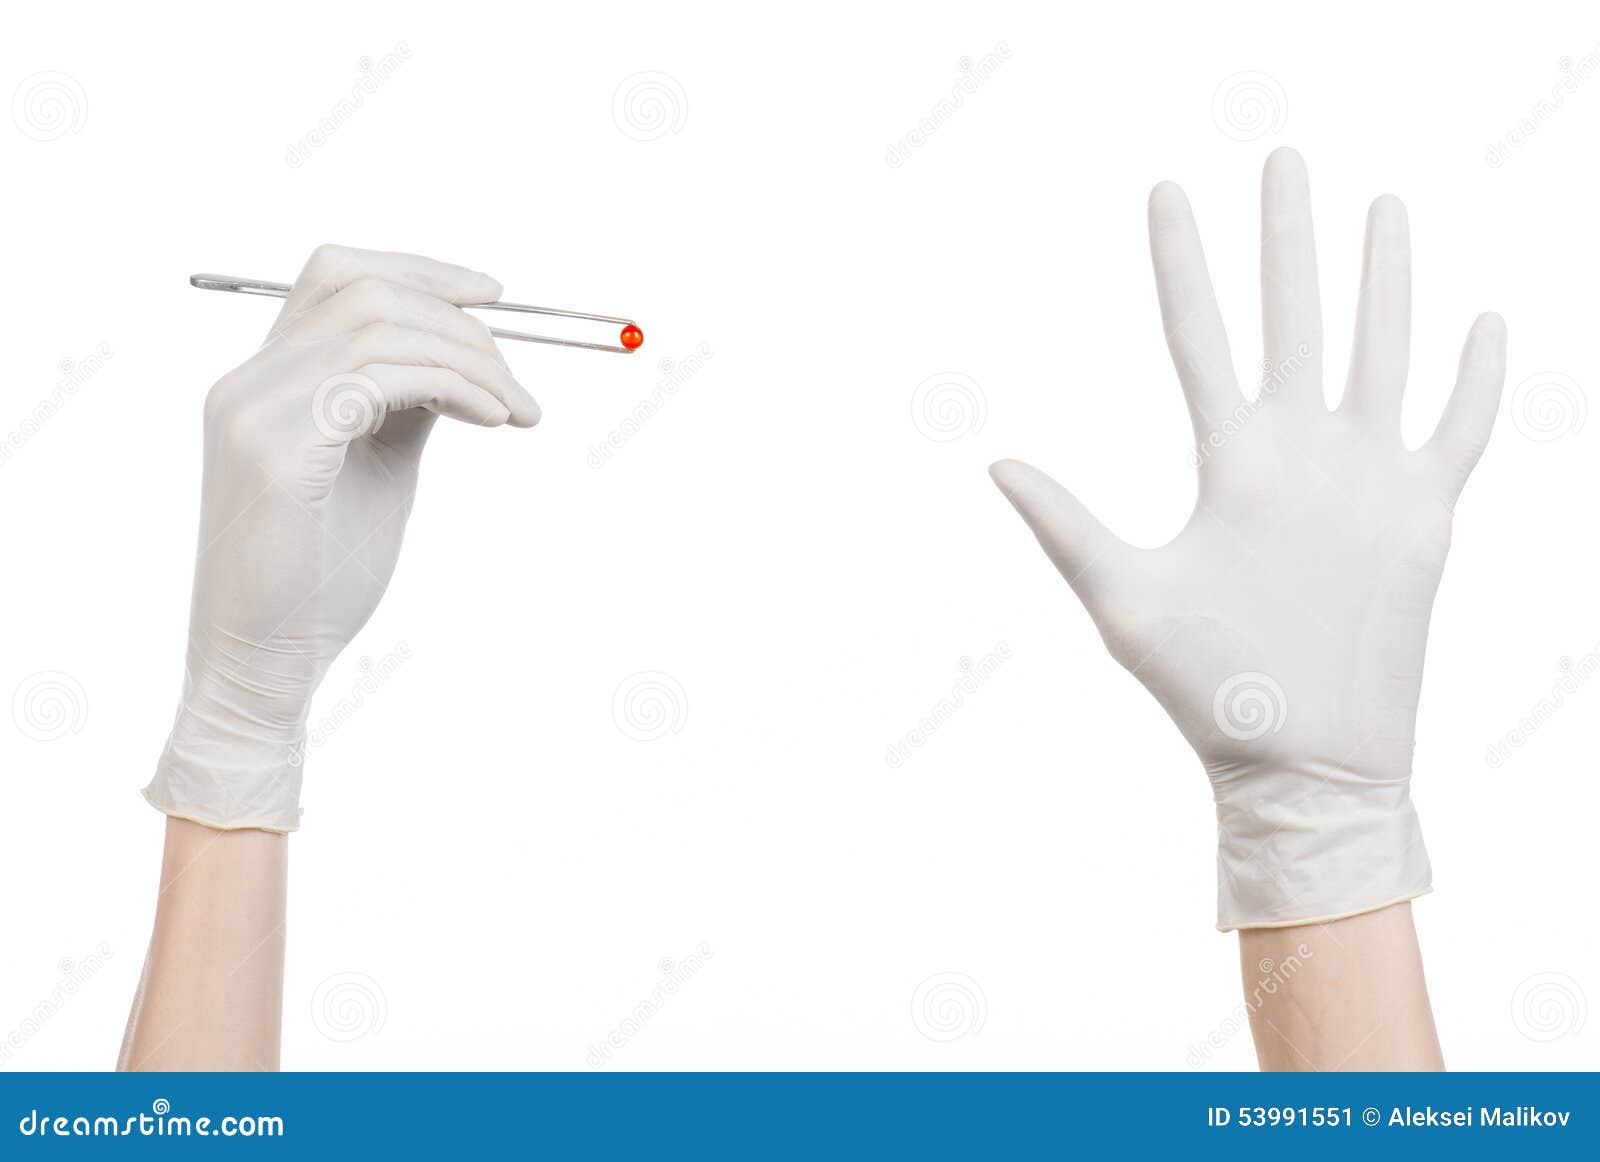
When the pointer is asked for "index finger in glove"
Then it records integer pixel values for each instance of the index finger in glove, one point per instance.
(371, 300)
(332, 268)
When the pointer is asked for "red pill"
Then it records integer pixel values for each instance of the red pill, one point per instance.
(632, 337)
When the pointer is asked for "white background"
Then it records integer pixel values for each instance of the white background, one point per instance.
(484, 845)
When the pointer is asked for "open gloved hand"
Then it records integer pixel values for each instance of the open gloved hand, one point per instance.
(311, 454)
(1284, 628)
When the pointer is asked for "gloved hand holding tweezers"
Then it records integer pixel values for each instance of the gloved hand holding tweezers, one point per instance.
(1284, 628)
(311, 454)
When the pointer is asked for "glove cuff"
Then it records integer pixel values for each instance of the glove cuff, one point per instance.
(228, 776)
(1310, 846)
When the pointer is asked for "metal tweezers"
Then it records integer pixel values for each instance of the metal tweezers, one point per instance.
(630, 330)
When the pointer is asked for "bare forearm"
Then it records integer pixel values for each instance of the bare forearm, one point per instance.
(1345, 995)
(211, 997)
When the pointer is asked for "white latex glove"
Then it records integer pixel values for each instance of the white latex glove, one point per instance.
(1284, 628)
(311, 456)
